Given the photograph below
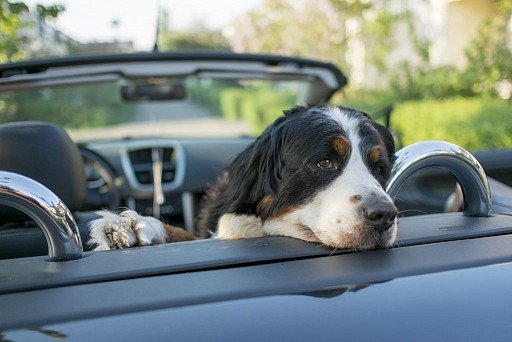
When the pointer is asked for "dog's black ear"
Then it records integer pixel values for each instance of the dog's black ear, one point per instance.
(387, 138)
(294, 110)
(256, 171)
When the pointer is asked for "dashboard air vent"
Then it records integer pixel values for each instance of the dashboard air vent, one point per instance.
(142, 164)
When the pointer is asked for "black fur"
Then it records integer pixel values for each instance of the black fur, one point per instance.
(279, 171)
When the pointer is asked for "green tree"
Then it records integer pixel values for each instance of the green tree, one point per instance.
(489, 56)
(318, 29)
(197, 38)
(489, 61)
(13, 45)
(283, 27)
(200, 38)
(10, 24)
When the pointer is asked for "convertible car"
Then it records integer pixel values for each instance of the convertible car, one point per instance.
(149, 132)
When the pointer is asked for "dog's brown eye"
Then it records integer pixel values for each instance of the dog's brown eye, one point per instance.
(325, 164)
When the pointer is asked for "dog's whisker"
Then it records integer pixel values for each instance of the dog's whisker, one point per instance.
(396, 198)
(399, 242)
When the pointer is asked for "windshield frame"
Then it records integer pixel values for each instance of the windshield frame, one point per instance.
(327, 78)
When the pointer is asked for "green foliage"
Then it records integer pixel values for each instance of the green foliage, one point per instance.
(231, 103)
(351, 7)
(476, 123)
(259, 107)
(372, 102)
(473, 123)
(267, 28)
(416, 82)
(49, 12)
(489, 61)
(198, 38)
(201, 38)
(13, 46)
(421, 45)
(10, 24)
(489, 58)
(89, 105)
(208, 93)
(379, 37)
(317, 31)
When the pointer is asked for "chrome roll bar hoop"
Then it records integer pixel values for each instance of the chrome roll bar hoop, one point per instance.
(440, 154)
(47, 210)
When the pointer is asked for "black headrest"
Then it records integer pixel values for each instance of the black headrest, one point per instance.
(45, 153)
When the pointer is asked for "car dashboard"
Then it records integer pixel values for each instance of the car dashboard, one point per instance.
(187, 167)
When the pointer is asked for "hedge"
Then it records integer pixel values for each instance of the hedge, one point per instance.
(258, 107)
(473, 123)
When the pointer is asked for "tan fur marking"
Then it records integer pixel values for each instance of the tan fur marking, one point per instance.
(354, 199)
(375, 154)
(341, 145)
(265, 201)
(175, 234)
(283, 212)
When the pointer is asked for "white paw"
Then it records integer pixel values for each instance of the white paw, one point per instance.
(124, 230)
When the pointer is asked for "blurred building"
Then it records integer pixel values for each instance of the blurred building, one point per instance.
(448, 25)
(39, 38)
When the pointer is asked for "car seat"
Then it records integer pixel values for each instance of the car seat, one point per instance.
(43, 152)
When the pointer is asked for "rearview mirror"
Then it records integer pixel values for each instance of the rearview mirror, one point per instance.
(153, 92)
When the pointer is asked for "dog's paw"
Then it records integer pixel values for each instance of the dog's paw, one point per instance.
(128, 229)
(111, 231)
(119, 237)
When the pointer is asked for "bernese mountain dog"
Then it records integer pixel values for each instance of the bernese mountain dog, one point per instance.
(316, 174)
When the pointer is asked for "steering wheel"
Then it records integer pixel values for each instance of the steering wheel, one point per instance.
(102, 191)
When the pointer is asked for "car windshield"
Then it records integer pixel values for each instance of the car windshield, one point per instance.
(209, 108)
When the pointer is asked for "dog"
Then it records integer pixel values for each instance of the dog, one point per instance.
(316, 174)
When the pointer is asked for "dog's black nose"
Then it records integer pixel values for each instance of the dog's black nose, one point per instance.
(381, 214)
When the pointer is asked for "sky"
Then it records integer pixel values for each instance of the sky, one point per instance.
(91, 20)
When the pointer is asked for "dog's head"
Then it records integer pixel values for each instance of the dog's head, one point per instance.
(322, 169)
